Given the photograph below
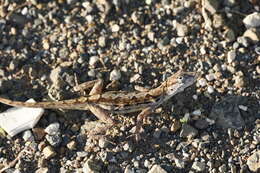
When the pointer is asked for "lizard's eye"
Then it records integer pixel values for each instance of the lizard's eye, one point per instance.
(180, 78)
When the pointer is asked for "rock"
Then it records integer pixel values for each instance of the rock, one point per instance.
(42, 170)
(198, 166)
(115, 28)
(231, 55)
(102, 41)
(229, 34)
(91, 166)
(179, 163)
(176, 125)
(93, 60)
(115, 75)
(243, 41)
(201, 124)
(252, 20)
(210, 77)
(54, 140)
(202, 82)
(188, 131)
(55, 75)
(72, 145)
(52, 129)
(103, 142)
(226, 112)
(157, 133)
(27, 136)
(197, 112)
(222, 168)
(253, 34)
(210, 89)
(182, 30)
(211, 5)
(239, 81)
(253, 162)
(218, 21)
(157, 169)
(39, 133)
(128, 169)
(48, 152)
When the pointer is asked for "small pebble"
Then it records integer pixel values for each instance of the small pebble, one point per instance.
(210, 77)
(48, 152)
(93, 60)
(115, 28)
(157, 169)
(252, 20)
(242, 107)
(103, 142)
(198, 166)
(231, 56)
(115, 75)
(54, 140)
(27, 136)
(197, 112)
(210, 89)
(202, 82)
(72, 145)
(52, 129)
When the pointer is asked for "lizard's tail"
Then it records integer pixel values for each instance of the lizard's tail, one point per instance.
(66, 104)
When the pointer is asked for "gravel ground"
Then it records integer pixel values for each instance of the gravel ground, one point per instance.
(48, 47)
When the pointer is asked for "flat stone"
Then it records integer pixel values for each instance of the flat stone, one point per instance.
(91, 166)
(226, 113)
(115, 75)
(252, 20)
(198, 166)
(253, 162)
(231, 56)
(48, 152)
(253, 34)
(182, 30)
(42, 170)
(52, 129)
(211, 5)
(188, 131)
(157, 169)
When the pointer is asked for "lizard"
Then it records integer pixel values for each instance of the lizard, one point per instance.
(103, 104)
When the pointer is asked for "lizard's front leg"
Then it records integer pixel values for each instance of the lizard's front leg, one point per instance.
(140, 118)
(99, 112)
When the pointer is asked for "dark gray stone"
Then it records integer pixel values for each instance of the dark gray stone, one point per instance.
(227, 114)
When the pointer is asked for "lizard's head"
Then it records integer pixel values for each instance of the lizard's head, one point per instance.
(179, 81)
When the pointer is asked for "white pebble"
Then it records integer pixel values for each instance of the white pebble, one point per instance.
(115, 75)
(197, 112)
(202, 82)
(195, 97)
(52, 129)
(210, 77)
(242, 107)
(115, 28)
(93, 60)
(252, 20)
(224, 67)
(134, 78)
(210, 89)
(203, 50)
(231, 56)
(179, 40)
